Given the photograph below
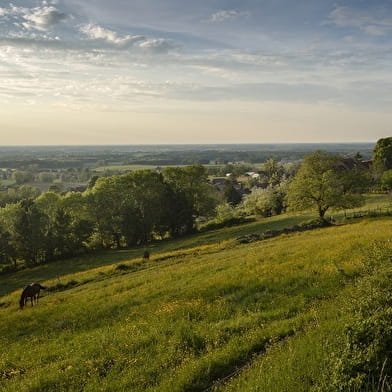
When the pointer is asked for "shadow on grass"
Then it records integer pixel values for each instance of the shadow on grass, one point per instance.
(18, 280)
(57, 269)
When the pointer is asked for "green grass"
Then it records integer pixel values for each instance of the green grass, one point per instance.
(61, 269)
(201, 308)
(7, 183)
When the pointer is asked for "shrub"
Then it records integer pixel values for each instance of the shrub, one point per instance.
(364, 361)
(266, 202)
(226, 216)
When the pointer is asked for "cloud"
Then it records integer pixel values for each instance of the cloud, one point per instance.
(367, 22)
(98, 33)
(158, 45)
(94, 32)
(227, 15)
(42, 18)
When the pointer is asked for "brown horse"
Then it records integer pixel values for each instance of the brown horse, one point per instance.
(32, 292)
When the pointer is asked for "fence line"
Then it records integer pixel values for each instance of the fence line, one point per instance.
(379, 211)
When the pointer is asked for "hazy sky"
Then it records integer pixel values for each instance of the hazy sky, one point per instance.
(185, 71)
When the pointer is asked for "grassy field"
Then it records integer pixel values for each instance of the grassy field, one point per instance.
(63, 271)
(202, 309)
(7, 183)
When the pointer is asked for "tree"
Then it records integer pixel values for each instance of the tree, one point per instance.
(105, 203)
(191, 182)
(177, 211)
(22, 177)
(265, 202)
(48, 204)
(7, 250)
(74, 204)
(28, 232)
(382, 154)
(322, 182)
(386, 180)
(274, 171)
(46, 177)
(231, 194)
(129, 208)
(92, 181)
(15, 195)
(145, 201)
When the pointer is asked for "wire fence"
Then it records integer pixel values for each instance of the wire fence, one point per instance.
(374, 212)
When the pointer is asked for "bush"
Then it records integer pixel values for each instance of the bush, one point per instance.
(8, 269)
(226, 216)
(364, 362)
(386, 180)
(266, 202)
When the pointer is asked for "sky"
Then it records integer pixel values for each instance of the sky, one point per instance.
(184, 71)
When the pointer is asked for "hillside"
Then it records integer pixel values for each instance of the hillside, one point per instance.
(200, 310)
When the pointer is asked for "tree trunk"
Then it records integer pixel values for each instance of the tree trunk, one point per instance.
(322, 212)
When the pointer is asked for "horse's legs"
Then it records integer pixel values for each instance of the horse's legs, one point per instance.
(31, 300)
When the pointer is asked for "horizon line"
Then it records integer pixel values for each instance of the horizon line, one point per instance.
(182, 144)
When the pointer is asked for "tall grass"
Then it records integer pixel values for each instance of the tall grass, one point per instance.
(185, 320)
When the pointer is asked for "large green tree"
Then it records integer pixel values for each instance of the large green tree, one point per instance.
(129, 208)
(382, 154)
(191, 183)
(27, 227)
(7, 248)
(323, 182)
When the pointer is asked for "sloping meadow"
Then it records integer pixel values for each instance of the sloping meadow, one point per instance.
(186, 323)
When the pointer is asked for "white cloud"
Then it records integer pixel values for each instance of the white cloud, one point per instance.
(366, 22)
(227, 15)
(42, 18)
(158, 45)
(94, 32)
(98, 33)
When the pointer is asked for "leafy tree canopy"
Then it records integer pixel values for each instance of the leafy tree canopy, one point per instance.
(386, 180)
(322, 182)
(382, 154)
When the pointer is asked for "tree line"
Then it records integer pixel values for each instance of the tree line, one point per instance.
(118, 211)
(135, 208)
(323, 182)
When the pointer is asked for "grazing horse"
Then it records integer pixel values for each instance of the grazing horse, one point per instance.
(32, 292)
